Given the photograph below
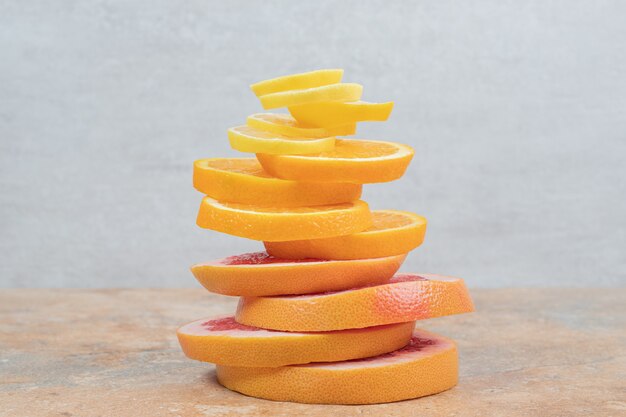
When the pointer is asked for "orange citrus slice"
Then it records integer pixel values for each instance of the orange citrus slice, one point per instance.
(337, 113)
(406, 297)
(428, 364)
(243, 180)
(393, 232)
(332, 92)
(248, 139)
(299, 81)
(352, 160)
(279, 223)
(259, 274)
(223, 341)
(285, 125)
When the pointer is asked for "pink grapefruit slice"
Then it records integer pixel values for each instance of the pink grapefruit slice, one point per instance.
(260, 274)
(407, 297)
(428, 364)
(223, 341)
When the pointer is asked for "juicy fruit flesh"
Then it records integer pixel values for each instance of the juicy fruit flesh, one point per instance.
(298, 81)
(248, 166)
(428, 365)
(356, 149)
(331, 92)
(227, 323)
(262, 258)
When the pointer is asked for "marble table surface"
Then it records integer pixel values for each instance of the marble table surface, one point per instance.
(113, 352)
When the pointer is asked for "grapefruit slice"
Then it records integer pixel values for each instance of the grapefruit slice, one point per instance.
(393, 232)
(407, 297)
(297, 81)
(278, 223)
(353, 160)
(428, 364)
(248, 139)
(259, 274)
(336, 113)
(243, 180)
(332, 92)
(223, 341)
(285, 125)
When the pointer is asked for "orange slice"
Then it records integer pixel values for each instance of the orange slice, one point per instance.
(336, 113)
(285, 125)
(299, 81)
(242, 180)
(332, 92)
(223, 341)
(279, 223)
(393, 232)
(259, 274)
(248, 139)
(352, 160)
(406, 297)
(427, 365)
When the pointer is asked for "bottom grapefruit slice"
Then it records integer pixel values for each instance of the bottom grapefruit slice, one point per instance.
(406, 297)
(427, 365)
(223, 341)
(259, 274)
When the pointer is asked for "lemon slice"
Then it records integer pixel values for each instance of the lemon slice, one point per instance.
(332, 92)
(285, 125)
(298, 81)
(335, 113)
(248, 139)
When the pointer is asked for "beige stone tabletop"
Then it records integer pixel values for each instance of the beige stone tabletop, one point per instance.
(109, 353)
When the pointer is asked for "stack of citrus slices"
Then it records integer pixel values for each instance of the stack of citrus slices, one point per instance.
(323, 317)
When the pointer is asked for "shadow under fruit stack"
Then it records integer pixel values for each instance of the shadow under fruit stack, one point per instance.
(323, 317)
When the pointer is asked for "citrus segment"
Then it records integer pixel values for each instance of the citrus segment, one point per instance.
(393, 232)
(243, 180)
(336, 113)
(285, 125)
(223, 341)
(406, 297)
(248, 139)
(428, 364)
(352, 160)
(259, 274)
(332, 92)
(298, 81)
(279, 223)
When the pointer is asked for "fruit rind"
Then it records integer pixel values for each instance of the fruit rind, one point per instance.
(247, 183)
(298, 81)
(295, 278)
(366, 244)
(262, 348)
(358, 382)
(275, 224)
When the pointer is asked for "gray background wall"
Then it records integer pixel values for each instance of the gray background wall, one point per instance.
(516, 109)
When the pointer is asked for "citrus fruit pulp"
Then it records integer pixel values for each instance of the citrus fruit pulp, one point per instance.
(298, 81)
(259, 274)
(243, 180)
(393, 232)
(352, 160)
(223, 341)
(331, 92)
(407, 297)
(279, 223)
(248, 139)
(284, 124)
(428, 364)
(328, 114)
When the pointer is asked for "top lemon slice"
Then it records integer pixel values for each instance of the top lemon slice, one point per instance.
(331, 92)
(298, 81)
